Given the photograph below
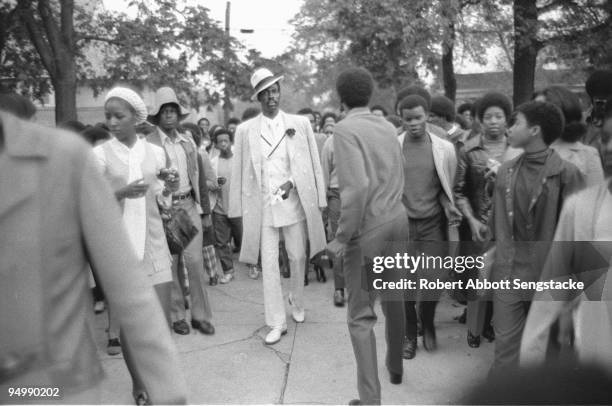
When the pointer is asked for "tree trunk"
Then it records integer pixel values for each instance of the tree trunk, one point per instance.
(65, 87)
(448, 67)
(526, 47)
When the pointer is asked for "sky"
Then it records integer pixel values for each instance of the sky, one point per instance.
(268, 18)
(272, 31)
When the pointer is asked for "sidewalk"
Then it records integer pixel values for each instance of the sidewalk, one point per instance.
(313, 363)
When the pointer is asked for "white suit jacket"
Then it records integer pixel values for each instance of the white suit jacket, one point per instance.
(245, 190)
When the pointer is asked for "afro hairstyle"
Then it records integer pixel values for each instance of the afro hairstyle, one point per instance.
(443, 107)
(410, 90)
(413, 101)
(545, 115)
(599, 84)
(355, 87)
(494, 99)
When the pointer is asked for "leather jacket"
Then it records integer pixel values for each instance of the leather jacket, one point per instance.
(470, 188)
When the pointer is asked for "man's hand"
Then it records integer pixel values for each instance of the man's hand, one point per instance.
(453, 214)
(480, 231)
(133, 190)
(335, 248)
(284, 189)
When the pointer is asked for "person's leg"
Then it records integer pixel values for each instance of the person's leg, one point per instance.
(476, 312)
(509, 315)
(236, 231)
(274, 306)
(200, 306)
(361, 319)
(222, 238)
(164, 293)
(296, 245)
(177, 297)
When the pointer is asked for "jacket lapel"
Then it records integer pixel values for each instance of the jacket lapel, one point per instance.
(438, 156)
(289, 123)
(254, 132)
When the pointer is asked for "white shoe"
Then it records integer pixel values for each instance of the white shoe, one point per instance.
(226, 278)
(275, 335)
(298, 314)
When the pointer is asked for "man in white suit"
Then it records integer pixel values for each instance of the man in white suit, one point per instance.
(277, 186)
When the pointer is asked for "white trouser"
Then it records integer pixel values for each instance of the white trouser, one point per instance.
(295, 244)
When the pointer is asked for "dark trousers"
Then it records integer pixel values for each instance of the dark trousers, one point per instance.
(509, 316)
(426, 235)
(361, 315)
(225, 229)
(333, 216)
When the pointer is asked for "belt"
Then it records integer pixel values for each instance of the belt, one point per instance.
(182, 196)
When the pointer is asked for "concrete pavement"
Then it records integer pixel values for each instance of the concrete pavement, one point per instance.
(313, 363)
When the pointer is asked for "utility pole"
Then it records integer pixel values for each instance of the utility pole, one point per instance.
(227, 104)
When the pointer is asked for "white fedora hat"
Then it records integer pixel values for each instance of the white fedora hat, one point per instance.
(262, 79)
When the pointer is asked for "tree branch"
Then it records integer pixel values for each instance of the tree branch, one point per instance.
(53, 34)
(67, 23)
(37, 37)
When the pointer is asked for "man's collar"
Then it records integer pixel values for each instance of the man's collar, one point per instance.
(278, 117)
(358, 110)
(163, 136)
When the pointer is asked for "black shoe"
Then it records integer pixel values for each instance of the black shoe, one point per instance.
(410, 347)
(203, 327)
(395, 379)
(472, 340)
(489, 333)
(214, 280)
(181, 327)
(354, 402)
(285, 272)
(429, 339)
(339, 298)
(463, 318)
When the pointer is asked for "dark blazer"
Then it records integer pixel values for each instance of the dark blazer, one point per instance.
(57, 213)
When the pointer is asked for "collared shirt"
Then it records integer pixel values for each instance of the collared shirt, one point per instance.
(178, 158)
(276, 170)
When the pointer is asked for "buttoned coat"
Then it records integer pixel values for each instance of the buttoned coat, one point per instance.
(246, 197)
(57, 213)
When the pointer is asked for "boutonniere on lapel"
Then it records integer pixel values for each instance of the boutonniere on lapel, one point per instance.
(290, 132)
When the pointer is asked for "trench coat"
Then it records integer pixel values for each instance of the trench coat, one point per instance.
(57, 213)
(246, 198)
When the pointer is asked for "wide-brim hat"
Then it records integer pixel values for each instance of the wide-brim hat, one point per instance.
(163, 96)
(262, 79)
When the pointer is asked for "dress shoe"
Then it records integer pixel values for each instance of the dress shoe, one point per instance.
(275, 335)
(394, 378)
(354, 402)
(254, 272)
(181, 327)
(227, 278)
(472, 340)
(429, 339)
(214, 280)
(339, 298)
(297, 313)
(410, 347)
(203, 327)
(489, 333)
(114, 347)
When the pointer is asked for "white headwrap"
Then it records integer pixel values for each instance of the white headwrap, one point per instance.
(132, 98)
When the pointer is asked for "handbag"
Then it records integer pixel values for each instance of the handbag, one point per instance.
(179, 229)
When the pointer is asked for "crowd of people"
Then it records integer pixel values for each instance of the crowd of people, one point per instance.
(156, 207)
